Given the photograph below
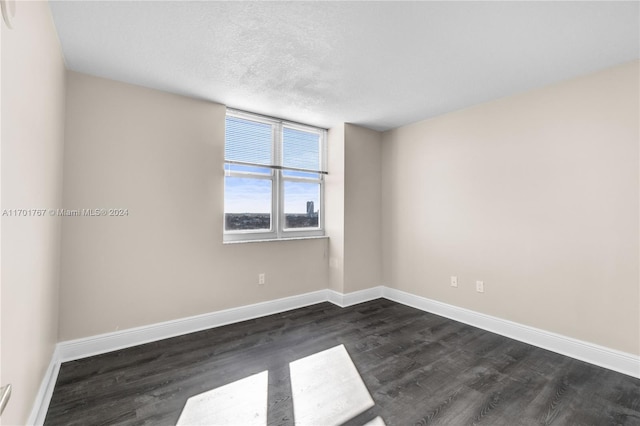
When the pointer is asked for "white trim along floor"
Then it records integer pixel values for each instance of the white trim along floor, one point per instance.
(81, 348)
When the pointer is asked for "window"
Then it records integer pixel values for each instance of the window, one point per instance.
(274, 178)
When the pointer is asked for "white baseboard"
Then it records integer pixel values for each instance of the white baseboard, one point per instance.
(589, 352)
(343, 300)
(43, 397)
(81, 348)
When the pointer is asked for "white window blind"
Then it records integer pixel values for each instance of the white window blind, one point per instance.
(248, 142)
(252, 143)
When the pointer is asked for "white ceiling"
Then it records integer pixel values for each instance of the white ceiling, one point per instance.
(377, 64)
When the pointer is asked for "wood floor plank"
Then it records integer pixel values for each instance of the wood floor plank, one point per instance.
(419, 368)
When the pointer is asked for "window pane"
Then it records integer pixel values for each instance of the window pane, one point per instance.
(247, 169)
(248, 141)
(301, 204)
(300, 150)
(307, 175)
(247, 204)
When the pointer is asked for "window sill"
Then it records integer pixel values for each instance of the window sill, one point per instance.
(269, 240)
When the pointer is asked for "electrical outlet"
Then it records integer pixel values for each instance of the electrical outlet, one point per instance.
(261, 279)
(454, 281)
(480, 286)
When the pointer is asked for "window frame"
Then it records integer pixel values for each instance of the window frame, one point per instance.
(278, 179)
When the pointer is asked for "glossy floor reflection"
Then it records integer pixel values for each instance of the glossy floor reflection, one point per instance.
(243, 402)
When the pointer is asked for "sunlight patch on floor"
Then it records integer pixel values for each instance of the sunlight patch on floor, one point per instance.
(243, 402)
(376, 422)
(327, 389)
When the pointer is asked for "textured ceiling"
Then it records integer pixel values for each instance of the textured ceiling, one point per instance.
(377, 64)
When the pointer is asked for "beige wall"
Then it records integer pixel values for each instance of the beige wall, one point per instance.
(362, 217)
(160, 156)
(535, 194)
(334, 206)
(353, 218)
(33, 82)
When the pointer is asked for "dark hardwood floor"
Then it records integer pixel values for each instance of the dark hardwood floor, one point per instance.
(419, 368)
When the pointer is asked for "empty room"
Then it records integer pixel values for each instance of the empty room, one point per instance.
(320, 213)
